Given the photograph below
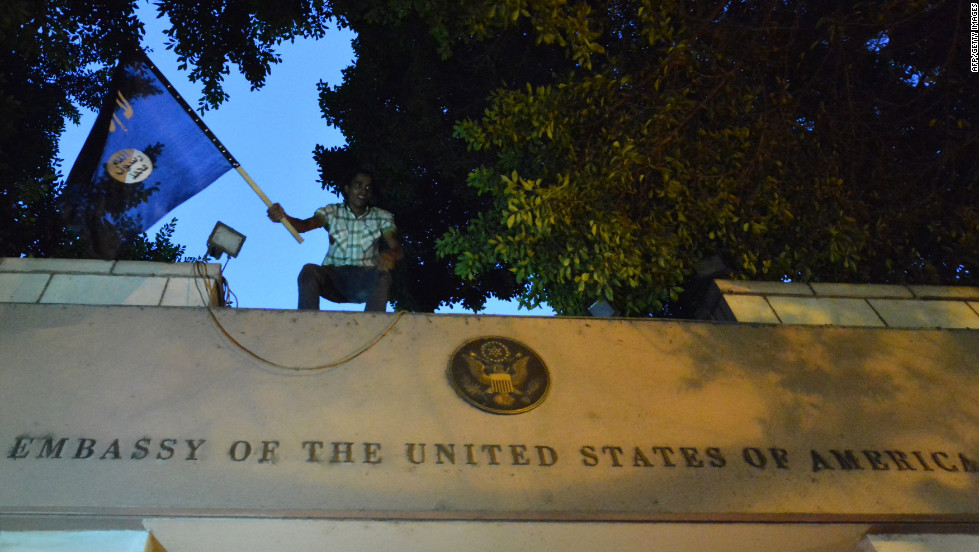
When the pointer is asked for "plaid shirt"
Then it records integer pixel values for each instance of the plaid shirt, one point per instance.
(354, 240)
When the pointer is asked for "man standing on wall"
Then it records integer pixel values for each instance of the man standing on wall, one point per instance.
(363, 249)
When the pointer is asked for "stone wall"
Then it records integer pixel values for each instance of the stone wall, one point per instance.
(97, 282)
(855, 305)
(224, 430)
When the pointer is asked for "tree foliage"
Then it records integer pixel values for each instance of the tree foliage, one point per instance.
(827, 141)
(397, 107)
(563, 152)
(56, 57)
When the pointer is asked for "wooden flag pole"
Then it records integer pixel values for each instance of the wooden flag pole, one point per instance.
(268, 202)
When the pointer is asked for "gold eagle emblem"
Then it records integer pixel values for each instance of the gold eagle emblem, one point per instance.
(497, 368)
(499, 374)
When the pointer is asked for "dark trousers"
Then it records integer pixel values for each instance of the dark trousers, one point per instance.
(343, 284)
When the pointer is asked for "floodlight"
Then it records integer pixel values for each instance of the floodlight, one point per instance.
(602, 309)
(224, 239)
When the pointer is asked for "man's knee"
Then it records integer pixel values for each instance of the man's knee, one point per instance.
(308, 274)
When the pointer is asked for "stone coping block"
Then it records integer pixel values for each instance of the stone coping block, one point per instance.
(82, 266)
(22, 288)
(829, 289)
(830, 311)
(926, 314)
(945, 292)
(144, 268)
(861, 290)
(97, 282)
(97, 266)
(763, 288)
(749, 308)
(96, 289)
(845, 304)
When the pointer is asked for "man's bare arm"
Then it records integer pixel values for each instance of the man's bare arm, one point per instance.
(276, 214)
(391, 255)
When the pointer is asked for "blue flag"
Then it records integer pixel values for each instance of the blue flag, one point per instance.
(147, 153)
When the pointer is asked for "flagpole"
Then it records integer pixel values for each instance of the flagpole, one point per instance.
(214, 140)
(268, 202)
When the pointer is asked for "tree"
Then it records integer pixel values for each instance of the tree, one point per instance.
(397, 107)
(49, 54)
(829, 142)
(56, 57)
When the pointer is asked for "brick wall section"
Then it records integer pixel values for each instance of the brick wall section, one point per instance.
(96, 282)
(864, 305)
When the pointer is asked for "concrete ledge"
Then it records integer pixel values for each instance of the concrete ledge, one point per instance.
(861, 290)
(924, 314)
(97, 282)
(763, 288)
(22, 288)
(749, 308)
(941, 292)
(845, 304)
(97, 289)
(79, 266)
(143, 268)
(829, 311)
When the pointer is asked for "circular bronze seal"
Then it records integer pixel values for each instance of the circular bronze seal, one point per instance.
(499, 375)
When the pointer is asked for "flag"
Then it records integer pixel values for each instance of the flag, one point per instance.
(147, 153)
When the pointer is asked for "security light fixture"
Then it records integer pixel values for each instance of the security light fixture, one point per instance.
(224, 239)
(602, 309)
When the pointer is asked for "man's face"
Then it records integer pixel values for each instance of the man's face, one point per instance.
(359, 192)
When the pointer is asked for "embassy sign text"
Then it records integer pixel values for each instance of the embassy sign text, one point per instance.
(590, 456)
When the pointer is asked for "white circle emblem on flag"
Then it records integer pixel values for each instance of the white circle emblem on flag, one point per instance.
(129, 166)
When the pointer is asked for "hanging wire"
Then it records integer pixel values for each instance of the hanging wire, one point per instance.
(228, 294)
(201, 274)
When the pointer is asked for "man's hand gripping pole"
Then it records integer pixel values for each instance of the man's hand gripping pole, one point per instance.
(268, 202)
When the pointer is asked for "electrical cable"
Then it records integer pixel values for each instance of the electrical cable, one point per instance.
(201, 274)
